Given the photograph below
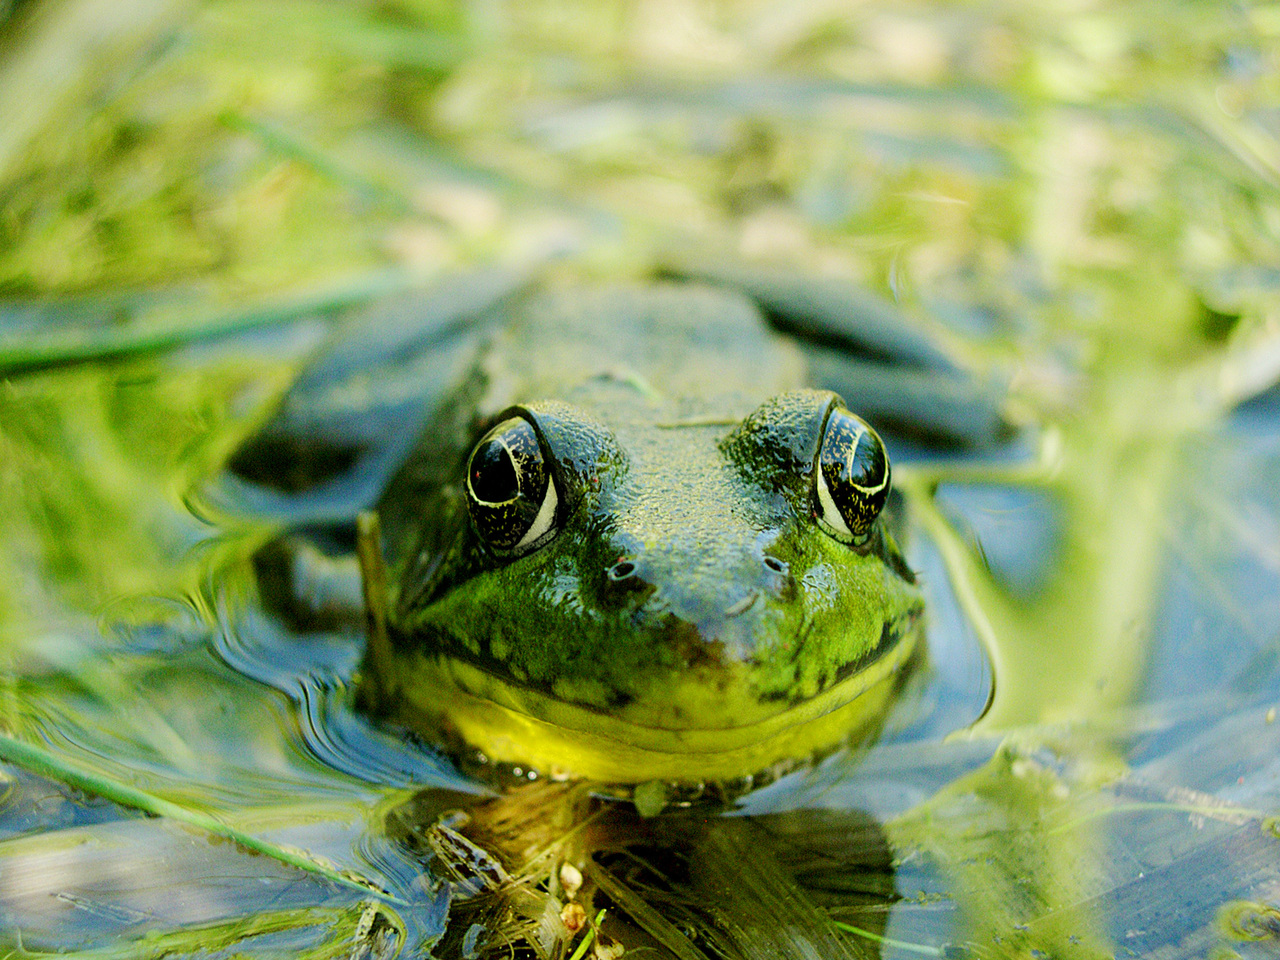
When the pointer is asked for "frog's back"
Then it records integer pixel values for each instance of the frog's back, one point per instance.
(674, 342)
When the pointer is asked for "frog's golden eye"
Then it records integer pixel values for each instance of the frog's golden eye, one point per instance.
(851, 477)
(511, 494)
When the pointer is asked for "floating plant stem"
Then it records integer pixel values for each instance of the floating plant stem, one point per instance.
(50, 350)
(588, 938)
(46, 764)
(889, 941)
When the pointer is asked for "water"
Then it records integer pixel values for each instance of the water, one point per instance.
(1082, 202)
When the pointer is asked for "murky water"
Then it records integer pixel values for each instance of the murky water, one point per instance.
(1082, 203)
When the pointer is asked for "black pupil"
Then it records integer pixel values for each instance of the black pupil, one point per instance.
(493, 474)
(866, 466)
(868, 463)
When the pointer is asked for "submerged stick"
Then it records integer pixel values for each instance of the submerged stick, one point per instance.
(373, 581)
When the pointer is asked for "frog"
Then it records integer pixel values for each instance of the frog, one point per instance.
(630, 532)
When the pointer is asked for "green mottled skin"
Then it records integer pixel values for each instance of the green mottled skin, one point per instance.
(683, 440)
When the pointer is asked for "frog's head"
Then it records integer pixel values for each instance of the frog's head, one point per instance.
(677, 597)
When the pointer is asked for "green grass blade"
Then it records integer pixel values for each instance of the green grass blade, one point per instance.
(588, 938)
(919, 948)
(288, 144)
(39, 761)
(32, 353)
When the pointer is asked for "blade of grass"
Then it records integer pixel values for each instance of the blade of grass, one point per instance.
(31, 354)
(919, 948)
(646, 916)
(589, 938)
(288, 144)
(207, 939)
(42, 762)
(73, 50)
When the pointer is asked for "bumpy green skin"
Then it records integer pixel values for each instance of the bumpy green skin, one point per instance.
(682, 443)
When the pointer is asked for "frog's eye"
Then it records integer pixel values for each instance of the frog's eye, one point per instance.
(511, 494)
(851, 477)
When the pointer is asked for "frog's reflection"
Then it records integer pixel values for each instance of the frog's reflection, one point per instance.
(529, 873)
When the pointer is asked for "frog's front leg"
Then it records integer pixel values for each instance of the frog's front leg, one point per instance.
(352, 416)
(344, 428)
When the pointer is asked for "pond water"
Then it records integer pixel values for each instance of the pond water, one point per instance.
(1078, 201)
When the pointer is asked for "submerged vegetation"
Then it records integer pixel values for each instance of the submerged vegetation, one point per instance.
(1081, 200)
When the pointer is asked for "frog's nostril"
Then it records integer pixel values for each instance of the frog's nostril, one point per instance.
(622, 570)
(626, 584)
(777, 579)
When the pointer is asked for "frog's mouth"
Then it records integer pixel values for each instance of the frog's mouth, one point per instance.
(457, 700)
